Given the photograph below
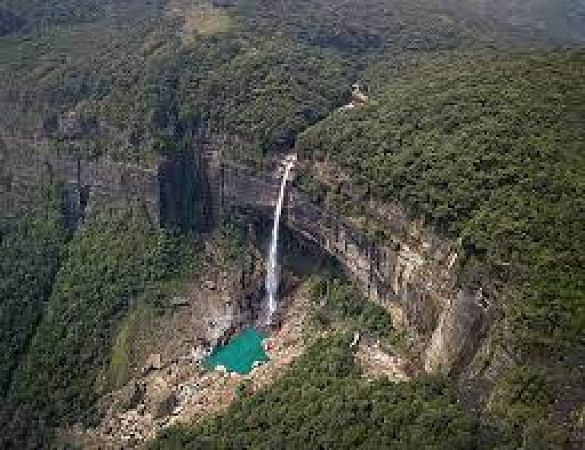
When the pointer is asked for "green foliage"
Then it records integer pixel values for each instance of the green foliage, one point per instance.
(487, 149)
(490, 150)
(106, 268)
(134, 84)
(230, 243)
(344, 301)
(30, 253)
(30, 14)
(322, 402)
(375, 26)
(267, 93)
(521, 404)
(133, 91)
(111, 80)
(520, 393)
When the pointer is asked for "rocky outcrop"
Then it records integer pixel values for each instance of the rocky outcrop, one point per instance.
(455, 339)
(416, 276)
(85, 183)
(189, 191)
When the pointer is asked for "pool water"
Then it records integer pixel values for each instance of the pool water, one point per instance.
(240, 354)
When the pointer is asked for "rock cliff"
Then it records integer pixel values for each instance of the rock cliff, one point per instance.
(416, 276)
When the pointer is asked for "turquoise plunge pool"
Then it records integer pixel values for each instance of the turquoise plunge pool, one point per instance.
(240, 354)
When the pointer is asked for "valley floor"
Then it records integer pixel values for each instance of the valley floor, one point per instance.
(183, 392)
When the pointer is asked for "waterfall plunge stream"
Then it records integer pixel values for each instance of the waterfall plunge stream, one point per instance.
(272, 272)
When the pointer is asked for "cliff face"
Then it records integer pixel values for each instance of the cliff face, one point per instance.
(186, 192)
(85, 183)
(416, 277)
(175, 194)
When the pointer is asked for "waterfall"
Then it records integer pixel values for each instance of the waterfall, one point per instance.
(272, 275)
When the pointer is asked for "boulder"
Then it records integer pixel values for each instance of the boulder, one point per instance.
(160, 399)
(459, 332)
(179, 301)
(164, 405)
(211, 285)
(154, 362)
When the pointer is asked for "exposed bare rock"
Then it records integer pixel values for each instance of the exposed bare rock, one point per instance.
(153, 362)
(378, 363)
(160, 398)
(458, 333)
(179, 301)
(211, 285)
(184, 393)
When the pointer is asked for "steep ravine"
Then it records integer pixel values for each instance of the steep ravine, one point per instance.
(444, 301)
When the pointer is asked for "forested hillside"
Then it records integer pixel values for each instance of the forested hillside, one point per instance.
(381, 26)
(27, 15)
(107, 78)
(113, 264)
(474, 123)
(120, 90)
(30, 255)
(488, 150)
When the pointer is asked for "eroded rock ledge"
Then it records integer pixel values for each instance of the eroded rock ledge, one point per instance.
(416, 276)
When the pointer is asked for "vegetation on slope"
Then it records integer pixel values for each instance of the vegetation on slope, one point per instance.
(26, 15)
(266, 93)
(392, 26)
(106, 268)
(30, 253)
(119, 89)
(322, 402)
(335, 298)
(113, 86)
(489, 150)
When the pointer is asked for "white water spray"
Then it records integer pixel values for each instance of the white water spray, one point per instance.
(272, 275)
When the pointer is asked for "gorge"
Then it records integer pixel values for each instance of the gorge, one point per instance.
(417, 281)
(419, 260)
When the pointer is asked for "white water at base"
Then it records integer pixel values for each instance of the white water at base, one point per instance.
(272, 275)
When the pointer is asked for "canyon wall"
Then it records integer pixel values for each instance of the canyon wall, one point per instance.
(85, 183)
(415, 277)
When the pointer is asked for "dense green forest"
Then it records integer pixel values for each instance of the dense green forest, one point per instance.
(465, 127)
(322, 402)
(344, 302)
(114, 263)
(26, 15)
(382, 26)
(115, 89)
(30, 254)
(489, 150)
(104, 84)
